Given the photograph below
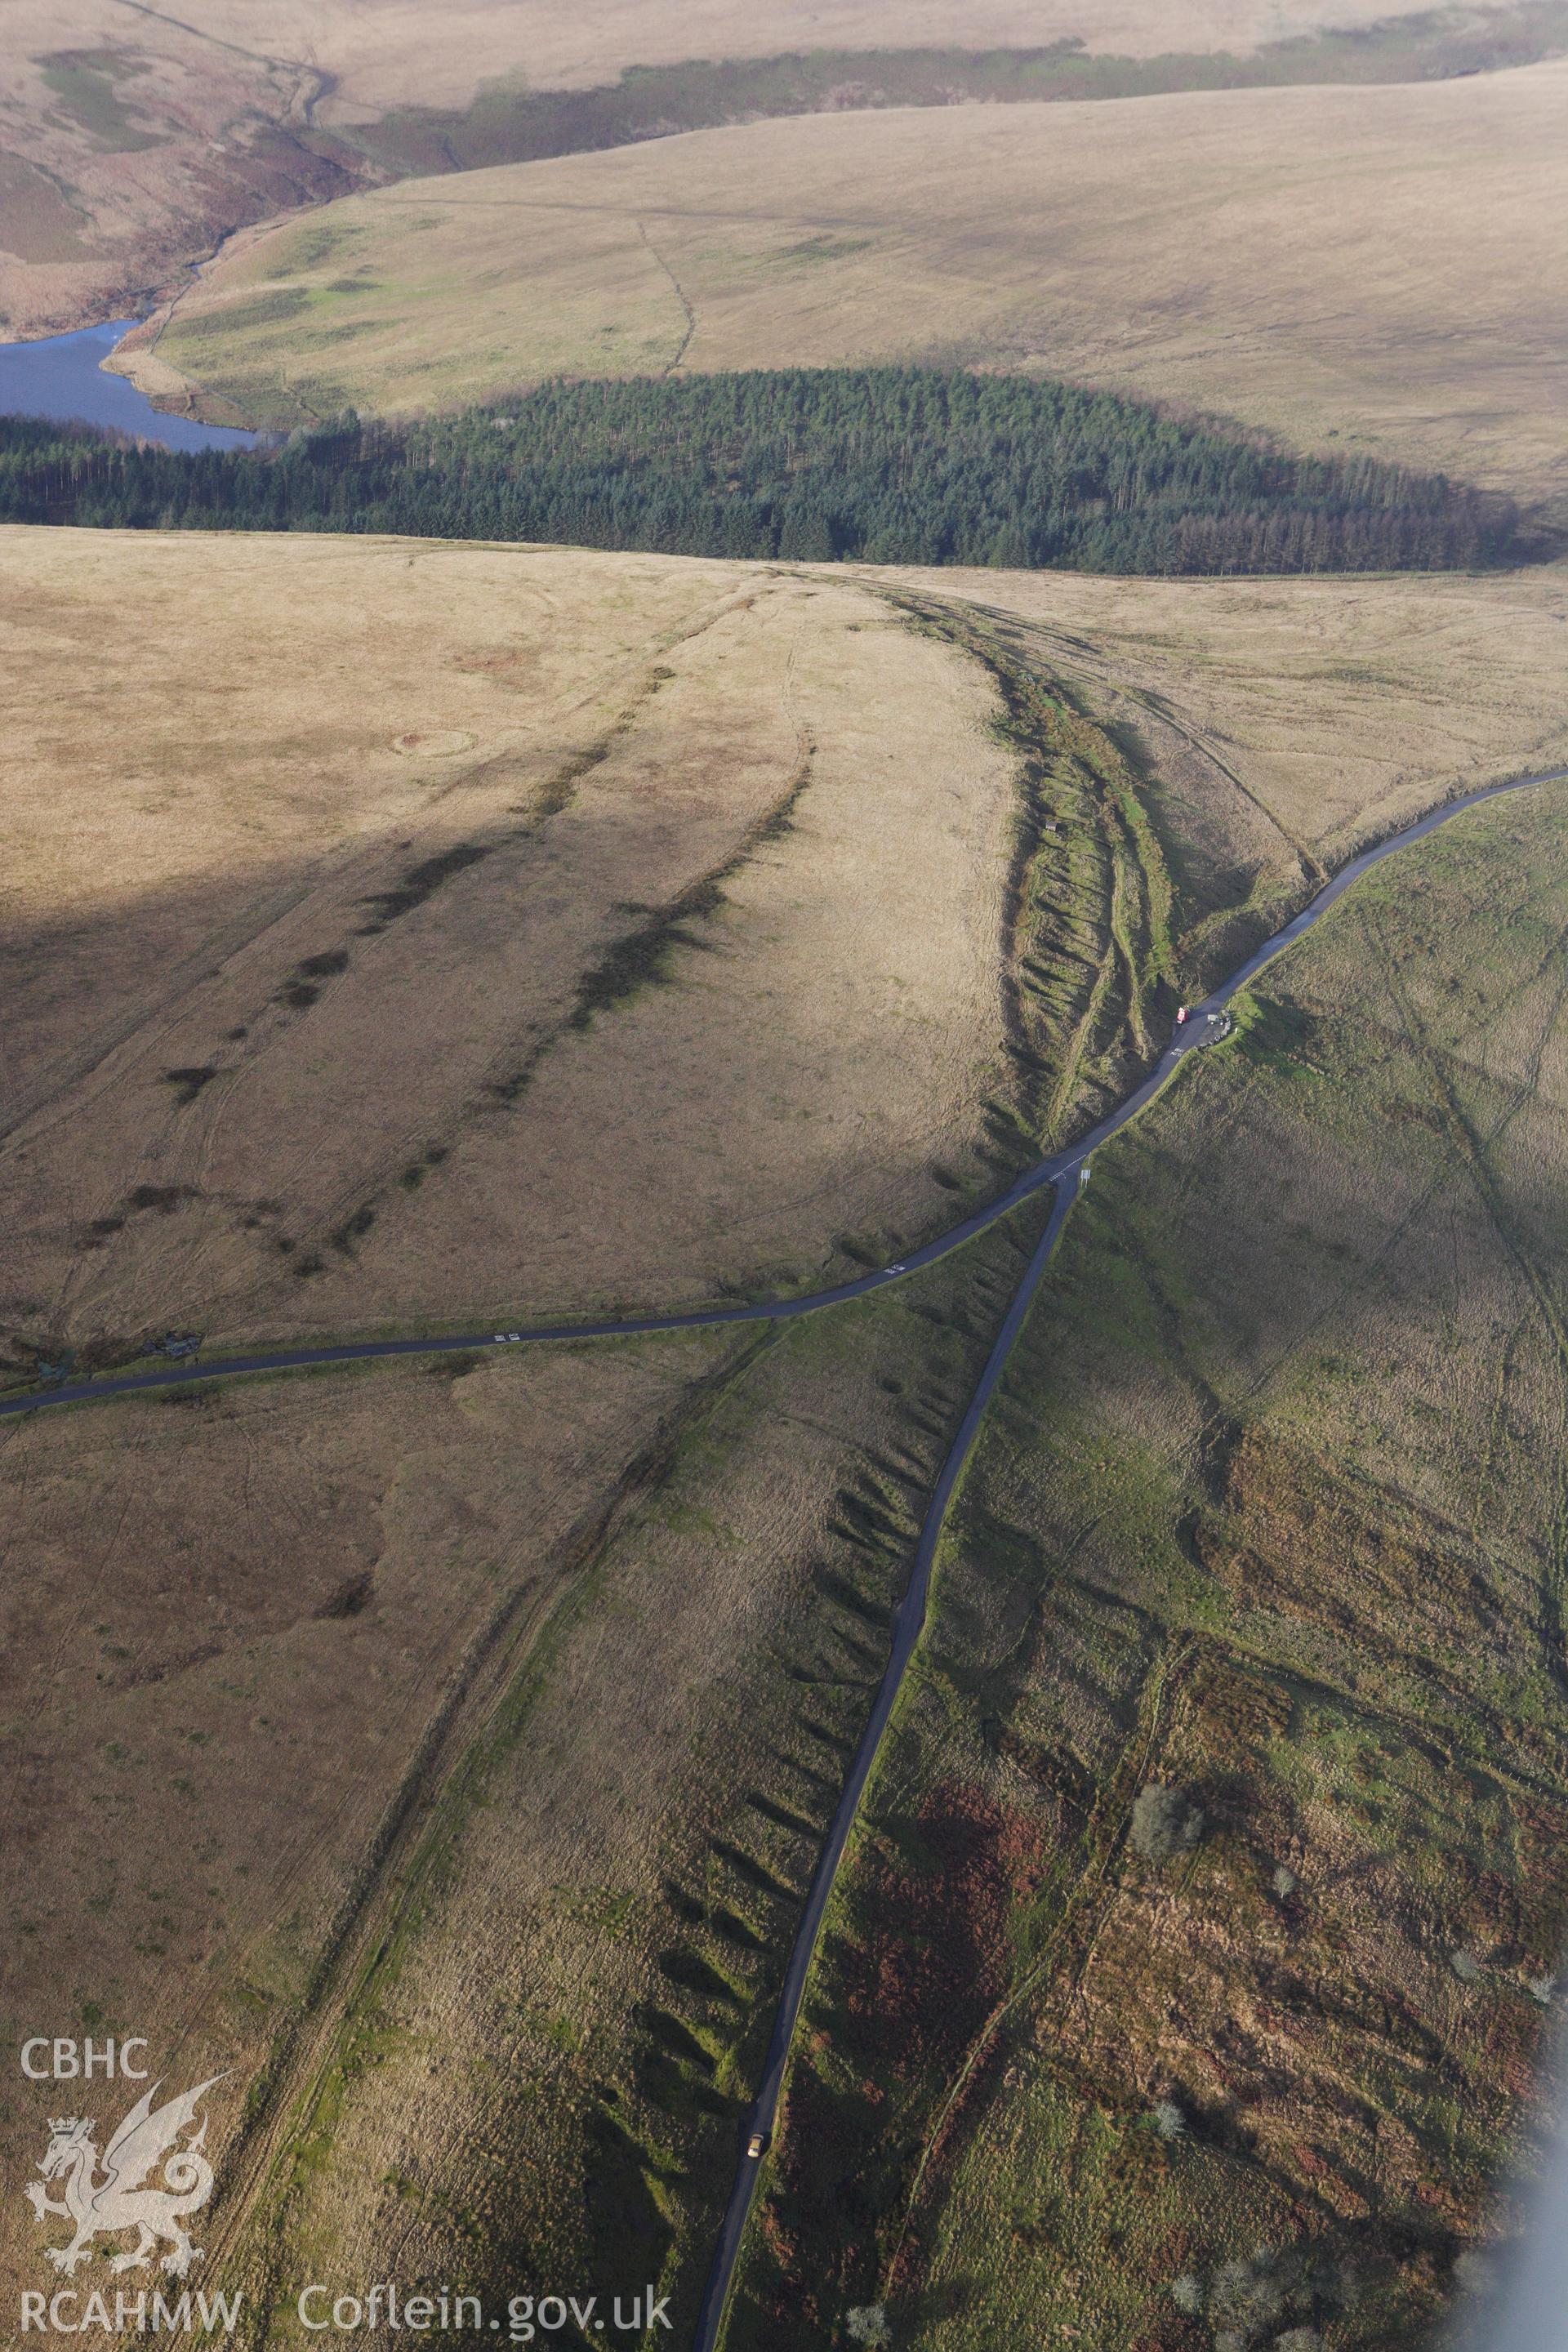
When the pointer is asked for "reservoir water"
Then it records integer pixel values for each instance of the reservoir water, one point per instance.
(63, 377)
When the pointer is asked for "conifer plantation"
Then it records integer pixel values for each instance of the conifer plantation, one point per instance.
(873, 464)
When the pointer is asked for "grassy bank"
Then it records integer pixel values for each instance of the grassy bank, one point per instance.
(511, 124)
(1272, 1517)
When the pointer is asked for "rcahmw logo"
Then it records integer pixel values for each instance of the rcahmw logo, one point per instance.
(142, 2180)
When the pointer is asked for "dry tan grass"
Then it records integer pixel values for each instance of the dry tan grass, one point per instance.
(663, 1705)
(228, 750)
(674, 1735)
(207, 115)
(1271, 1518)
(1372, 268)
(1303, 716)
(244, 1637)
(229, 711)
(394, 53)
(132, 142)
(1364, 1302)
(439, 1670)
(429, 1106)
(387, 56)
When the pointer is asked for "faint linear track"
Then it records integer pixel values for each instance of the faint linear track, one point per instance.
(685, 343)
(1061, 1171)
(1064, 1171)
(1053, 1171)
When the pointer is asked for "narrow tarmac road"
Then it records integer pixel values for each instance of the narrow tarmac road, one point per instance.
(1066, 1173)
(1065, 1170)
(1048, 1171)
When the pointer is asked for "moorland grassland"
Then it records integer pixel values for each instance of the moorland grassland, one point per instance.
(246, 1642)
(1326, 711)
(1270, 1513)
(342, 1004)
(444, 1750)
(405, 934)
(137, 139)
(1371, 269)
(557, 2033)
(343, 884)
(459, 1736)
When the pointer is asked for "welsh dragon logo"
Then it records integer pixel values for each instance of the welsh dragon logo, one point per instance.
(103, 2205)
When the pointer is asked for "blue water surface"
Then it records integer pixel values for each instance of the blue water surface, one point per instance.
(63, 377)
